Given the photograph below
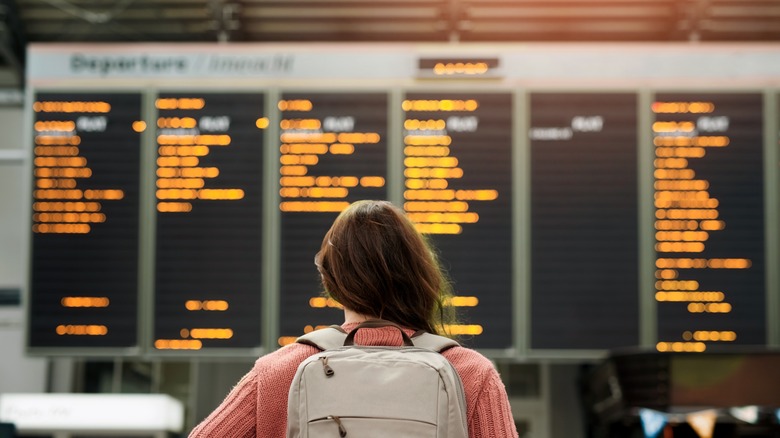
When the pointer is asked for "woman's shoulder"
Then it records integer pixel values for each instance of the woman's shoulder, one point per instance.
(476, 371)
(283, 361)
(286, 355)
(468, 360)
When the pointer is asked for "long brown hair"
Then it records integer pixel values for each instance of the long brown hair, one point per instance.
(374, 262)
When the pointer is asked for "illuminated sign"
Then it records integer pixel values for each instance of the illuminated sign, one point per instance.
(453, 173)
(458, 191)
(333, 151)
(709, 220)
(458, 67)
(84, 281)
(209, 220)
(584, 237)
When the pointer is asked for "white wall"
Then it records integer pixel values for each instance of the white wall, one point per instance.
(18, 373)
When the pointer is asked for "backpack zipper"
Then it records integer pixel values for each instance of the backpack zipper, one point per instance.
(342, 431)
(326, 368)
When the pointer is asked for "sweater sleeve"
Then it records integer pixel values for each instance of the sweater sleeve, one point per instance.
(235, 417)
(257, 406)
(275, 373)
(488, 410)
(492, 416)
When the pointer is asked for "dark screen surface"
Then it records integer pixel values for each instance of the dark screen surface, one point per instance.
(709, 196)
(84, 267)
(458, 191)
(333, 151)
(584, 237)
(209, 221)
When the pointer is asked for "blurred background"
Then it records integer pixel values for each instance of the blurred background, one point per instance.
(600, 179)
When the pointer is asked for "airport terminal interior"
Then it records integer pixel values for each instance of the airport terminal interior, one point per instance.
(599, 178)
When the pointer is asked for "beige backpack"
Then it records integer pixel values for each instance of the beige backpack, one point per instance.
(358, 391)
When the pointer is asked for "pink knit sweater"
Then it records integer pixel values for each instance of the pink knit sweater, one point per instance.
(257, 405)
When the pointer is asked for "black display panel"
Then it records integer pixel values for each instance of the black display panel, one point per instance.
(584, 207)
(333, 151)
(458, 191)
(709, 208)
(84, 267)
(209, 221)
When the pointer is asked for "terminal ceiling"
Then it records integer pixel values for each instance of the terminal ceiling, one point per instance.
(30, 21)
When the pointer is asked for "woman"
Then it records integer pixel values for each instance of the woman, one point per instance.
(375, 263)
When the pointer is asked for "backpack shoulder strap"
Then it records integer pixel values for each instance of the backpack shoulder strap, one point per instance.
(324, 339)
(433, 342)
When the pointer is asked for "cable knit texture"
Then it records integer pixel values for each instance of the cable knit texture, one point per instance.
(257, 405)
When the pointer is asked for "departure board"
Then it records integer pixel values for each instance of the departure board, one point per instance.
(333, 151)
(584, 207)
(458, 191)
(84, 258)
(209, 220)
(709, 209)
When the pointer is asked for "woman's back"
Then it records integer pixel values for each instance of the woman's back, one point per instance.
(257, 406)
(375, 263)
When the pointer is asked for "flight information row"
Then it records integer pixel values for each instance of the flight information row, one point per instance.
(574, 272)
